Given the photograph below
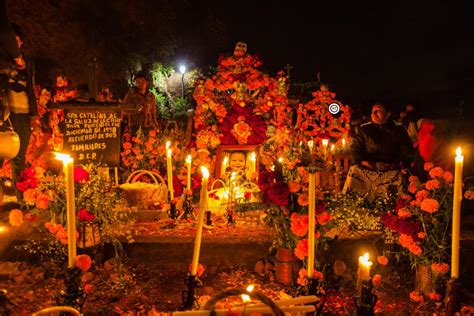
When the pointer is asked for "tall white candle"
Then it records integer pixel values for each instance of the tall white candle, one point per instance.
(188, 163)
(200, 220)
(457, 198)
(68, 165)
(252, 163)
(311, 223)
(169, 169)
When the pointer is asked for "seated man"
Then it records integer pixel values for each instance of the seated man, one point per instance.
(380, 151)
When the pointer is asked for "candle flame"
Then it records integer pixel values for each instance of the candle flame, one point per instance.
(3, 229)
(280, 159)
(253, 156)
(343, 142)
(168, 144)
(65, 158)
(325, 142)
(245, 298)
(310, 144)
(169, 152)
(8, 184)
(365, 260)
(250, 288)
(205, 172)
(332, 147)
(188, 159)
(225, 161)
(459, 152)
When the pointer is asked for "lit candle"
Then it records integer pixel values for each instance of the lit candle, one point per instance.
(363, 273)
(310, 145)
(169, 169)
(332, 147)
(188, 162)
(252, 163)
(325, 143)
(311, 223)
(457, 198)
(343, 143)
(200, 220)
(68, 165)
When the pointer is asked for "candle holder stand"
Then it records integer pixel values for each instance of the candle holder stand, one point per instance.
(208, 218)
(4, 303)
(187, 207)
(452, 301)
(230, 217)
(312, 288)
(365, 302)
(188, 296)
(172, 212)
(73, 296)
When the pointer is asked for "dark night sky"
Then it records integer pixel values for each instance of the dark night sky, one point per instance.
(422, 51)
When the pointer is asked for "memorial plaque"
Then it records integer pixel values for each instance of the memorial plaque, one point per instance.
(92, 135)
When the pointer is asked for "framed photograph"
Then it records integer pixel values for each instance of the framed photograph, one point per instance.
(242, 160)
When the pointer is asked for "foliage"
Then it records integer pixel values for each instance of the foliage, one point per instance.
(44, 194)
(422, 218)
(354, 212)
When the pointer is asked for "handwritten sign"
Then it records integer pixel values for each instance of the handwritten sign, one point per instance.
(93, 136)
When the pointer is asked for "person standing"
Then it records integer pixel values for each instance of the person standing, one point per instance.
(380, 151)
(143, 113)
(20, 106)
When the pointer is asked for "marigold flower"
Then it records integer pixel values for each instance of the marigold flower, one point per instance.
(428, 166)
(429, 205)
(30, 196)
(448, 177)
(382, 260)
(323, 218)
(415, 249)
(416, 297)
(376, 280)
(436, 172)
(83, 262)
(299, 224)
(412, 179)
(127, 145)
(301, 250)
(421, 195)
(42, 201)
(432, 184)
(88, 288)
(294, 186)
(15, 217)
(404, 213)
(434, 296)
(406, 240)
(440, 268)
(412, 188)
(303, 199)
(422, 235)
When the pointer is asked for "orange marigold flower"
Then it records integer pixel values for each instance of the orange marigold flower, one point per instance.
(42, 201)
(434, 296)
(376, 280)
(412, 188)
(406, 240)
(429, 205)
(301, 250)
(428, 166)
(404, 213)
(303, 199)
(448, 177)
(416, 297)
(421, 195)
(299, 224)
(83, 262)
(318, 275)
(15, 217)
(440, 268)
(432, 184)
(382, 260)
(436, 172)
(127, 145)
(294, 186)
(422, 235)
(323, 218)
(416, 250)
(302, 277)
(30, 196)
(413, 179)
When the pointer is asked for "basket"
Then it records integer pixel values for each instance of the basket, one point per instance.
(211, 304)
(143, 194)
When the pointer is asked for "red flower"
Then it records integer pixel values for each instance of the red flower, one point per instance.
(376, 280)
(85, 215)
(299, 224)
(382, 260)
(83, 262)
(80, 175)
(302, 249)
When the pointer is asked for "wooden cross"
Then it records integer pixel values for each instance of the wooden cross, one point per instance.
(288, 69)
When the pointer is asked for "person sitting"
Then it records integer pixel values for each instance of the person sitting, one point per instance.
(380, 151)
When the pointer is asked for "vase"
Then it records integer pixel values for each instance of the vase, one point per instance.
(287, 266)
(424, 280)
(89, 235)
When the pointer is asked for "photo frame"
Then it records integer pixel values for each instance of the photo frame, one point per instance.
(249, 157)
